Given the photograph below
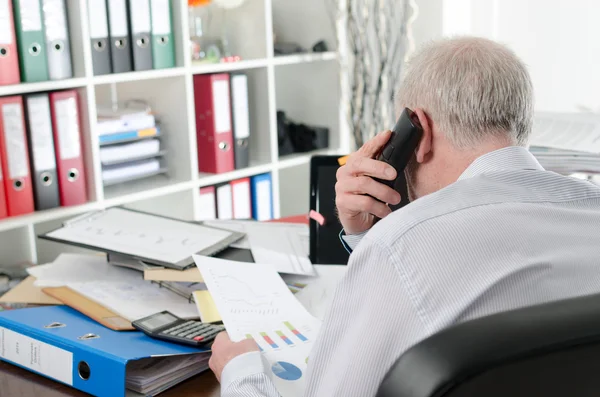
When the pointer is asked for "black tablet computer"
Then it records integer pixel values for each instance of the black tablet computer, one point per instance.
(325, 245)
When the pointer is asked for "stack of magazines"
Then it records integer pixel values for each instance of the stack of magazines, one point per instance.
(567, 143)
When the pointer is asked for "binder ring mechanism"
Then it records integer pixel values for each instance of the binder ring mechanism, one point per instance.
(55, 325)
(35, 49)
(3, 51)
(46, 178)
(18, 184)
(73, 174)
(88, 337)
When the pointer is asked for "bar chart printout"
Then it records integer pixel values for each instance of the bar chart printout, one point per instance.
(295, 331)
(254, 302)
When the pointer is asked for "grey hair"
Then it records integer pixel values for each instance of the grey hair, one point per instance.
(473, 89)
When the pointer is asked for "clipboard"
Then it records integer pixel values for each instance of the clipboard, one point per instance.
(107, 230)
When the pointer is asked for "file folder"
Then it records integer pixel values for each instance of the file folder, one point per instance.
(262, 197)
(41, 147)
(58, 44)
(224, 201)
(118, 29)
(98, 19)
(241, 119)
(242, 203)
(163, 46)
(9, 57)
(207, 205)
(15, 157)
(67, 145)
(140, 32)
(3, 210)
(213, 123)
(61, 344)
(29, 27)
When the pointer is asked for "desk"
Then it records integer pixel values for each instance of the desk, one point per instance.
(17, 382)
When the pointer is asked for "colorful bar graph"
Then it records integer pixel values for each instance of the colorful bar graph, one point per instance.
(248, 336)
(268, 339)
(285, 338)
(295, 331)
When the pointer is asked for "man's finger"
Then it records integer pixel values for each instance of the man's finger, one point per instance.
(374, 145)
(370, 167)
(367, 185)
(222, 337)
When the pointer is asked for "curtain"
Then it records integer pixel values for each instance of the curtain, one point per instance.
(374, 40)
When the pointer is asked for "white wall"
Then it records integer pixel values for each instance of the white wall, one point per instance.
(558, 39)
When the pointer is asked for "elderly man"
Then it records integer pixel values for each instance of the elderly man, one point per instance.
(487, 229)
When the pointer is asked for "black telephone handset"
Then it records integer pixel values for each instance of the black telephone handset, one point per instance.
(400, 148)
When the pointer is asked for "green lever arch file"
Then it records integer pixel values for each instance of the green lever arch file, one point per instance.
(163, 46)
(29, 27)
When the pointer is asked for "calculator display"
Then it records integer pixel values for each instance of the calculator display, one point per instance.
(158, 321)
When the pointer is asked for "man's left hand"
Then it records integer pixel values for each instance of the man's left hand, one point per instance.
(224, 350)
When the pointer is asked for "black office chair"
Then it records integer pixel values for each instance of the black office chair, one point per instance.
(547, 350)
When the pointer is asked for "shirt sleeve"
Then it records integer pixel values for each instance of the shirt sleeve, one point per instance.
(245, 376)
(350, 241)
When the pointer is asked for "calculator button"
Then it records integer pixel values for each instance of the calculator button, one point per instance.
(199, 338)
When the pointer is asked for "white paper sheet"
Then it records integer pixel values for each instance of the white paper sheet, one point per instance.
(316, 297)
(283, 245)
(71, 268)
(576, 131)
(254, 302)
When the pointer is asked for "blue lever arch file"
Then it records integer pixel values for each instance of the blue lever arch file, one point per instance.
(64, 345)
(262, 197)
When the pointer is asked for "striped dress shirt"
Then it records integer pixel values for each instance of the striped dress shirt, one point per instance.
(507, 234)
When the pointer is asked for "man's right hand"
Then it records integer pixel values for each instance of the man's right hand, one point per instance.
(357, 191)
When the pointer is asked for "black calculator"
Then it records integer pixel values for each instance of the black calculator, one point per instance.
(167, 326)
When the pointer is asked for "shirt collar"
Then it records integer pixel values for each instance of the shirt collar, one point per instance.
(505, 159)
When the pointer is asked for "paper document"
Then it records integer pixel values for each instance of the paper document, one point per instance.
(153, 239)
(575, 131)
(130, 170)
(318, 293)
(122, 153)
(71, 268)
(152, 375)
(254, 302)
(284, 245)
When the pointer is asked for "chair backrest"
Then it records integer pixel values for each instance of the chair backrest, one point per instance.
(545, 350)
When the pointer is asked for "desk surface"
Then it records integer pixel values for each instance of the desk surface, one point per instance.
(17, 382)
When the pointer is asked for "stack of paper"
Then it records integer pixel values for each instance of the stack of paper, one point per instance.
(123, 291)
(567, 143)
(151, 376)
(283, 245)
(127, 148)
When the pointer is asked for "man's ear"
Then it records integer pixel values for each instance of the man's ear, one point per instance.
(426, 143)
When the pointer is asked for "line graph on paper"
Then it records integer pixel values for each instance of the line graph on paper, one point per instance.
(242, 296)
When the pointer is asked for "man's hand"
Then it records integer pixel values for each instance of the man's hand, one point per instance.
(355, 187)
(224, 350)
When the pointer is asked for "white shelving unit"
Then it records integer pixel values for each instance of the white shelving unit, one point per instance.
(305, 86)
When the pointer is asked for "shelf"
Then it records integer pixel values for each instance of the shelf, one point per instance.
(46, 215)
(293, 160)
(142, 189)
(54, 85)
(214, 179)
(206, 68)
(138, 76)
(296, 59)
